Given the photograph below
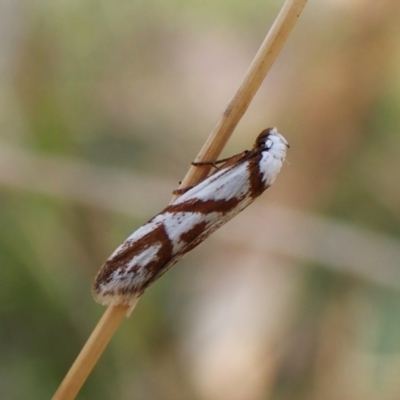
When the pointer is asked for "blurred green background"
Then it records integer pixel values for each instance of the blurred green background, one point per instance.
(103, 105)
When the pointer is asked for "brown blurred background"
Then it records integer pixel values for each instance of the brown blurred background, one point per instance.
(103, 105)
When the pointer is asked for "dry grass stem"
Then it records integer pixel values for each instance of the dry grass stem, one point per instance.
(90, 353)
(213, 146)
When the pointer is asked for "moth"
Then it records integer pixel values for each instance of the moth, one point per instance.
(161, 242)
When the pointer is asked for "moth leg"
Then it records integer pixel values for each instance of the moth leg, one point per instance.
(196, 164)
(182, 190)
(212, 163)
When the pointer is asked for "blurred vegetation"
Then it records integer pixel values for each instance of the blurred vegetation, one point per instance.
(105, 89)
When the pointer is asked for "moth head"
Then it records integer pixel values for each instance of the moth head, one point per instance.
(272, 141)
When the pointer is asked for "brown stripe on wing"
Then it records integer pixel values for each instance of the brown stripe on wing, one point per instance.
(122, 259)
(191, 234)
(192, 237)
(257, 184)
(205, 206)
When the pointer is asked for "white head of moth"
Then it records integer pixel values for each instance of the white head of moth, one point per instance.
(157, 245)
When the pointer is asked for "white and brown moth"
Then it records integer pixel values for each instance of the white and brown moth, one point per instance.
(157, 245)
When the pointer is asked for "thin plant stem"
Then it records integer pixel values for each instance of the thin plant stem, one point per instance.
(256, 73)
(90, 352)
